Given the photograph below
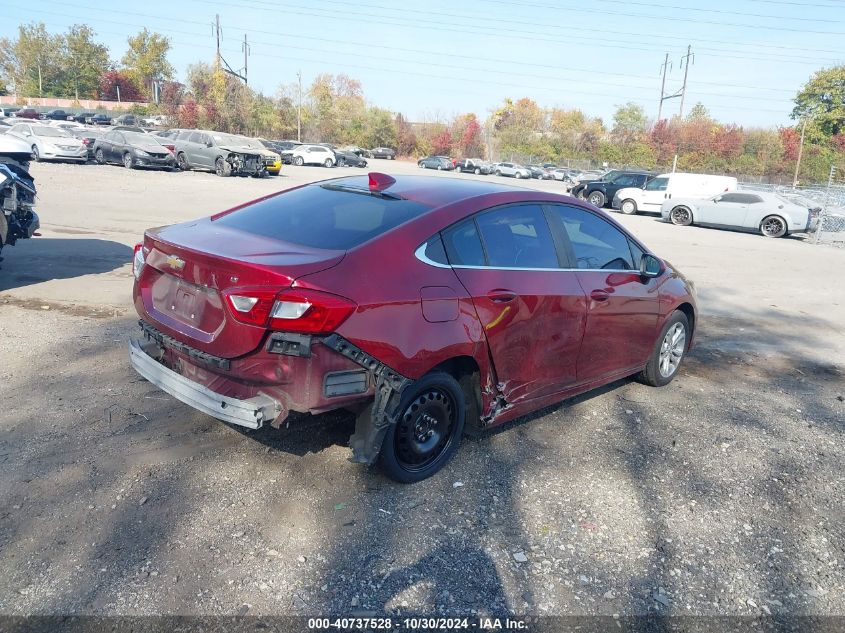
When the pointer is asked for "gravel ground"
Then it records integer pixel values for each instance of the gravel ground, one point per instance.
(721, 494)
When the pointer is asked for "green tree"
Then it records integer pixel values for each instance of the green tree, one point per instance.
(629, 122)
(822, 101)
(146, 59)
(34, 63)
(85, 63)
(699, 113)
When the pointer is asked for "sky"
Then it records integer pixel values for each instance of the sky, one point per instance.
(438, 58)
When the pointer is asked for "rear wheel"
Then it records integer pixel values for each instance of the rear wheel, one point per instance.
(459, 169)
(440, 168)
(597, 198)
(36, 155)
(299, 161)
(773, 226)
(681, 216)
(628, 207)
(428, 431)
(329, 163)
(669, 351)
(477, 171)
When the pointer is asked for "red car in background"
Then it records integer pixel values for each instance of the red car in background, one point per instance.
(429, 306)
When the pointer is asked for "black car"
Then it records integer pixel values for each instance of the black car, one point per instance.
(436, 162)
(601, 192)
(538, 171)
(473, 166)
(88, 137)
(82, 117)
(352, 159)
(57, 115)
(132, 149)
(128, 119)
(100, 119)
(383, 152)
(284, 149)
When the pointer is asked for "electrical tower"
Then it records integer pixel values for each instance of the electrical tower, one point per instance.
(220, 63)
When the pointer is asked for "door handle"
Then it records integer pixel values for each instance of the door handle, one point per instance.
(501, 295)
(599, 295)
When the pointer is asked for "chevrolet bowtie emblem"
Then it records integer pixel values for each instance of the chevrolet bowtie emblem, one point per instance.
(174, 262)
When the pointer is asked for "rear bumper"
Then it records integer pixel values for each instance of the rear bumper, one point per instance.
(251, 413)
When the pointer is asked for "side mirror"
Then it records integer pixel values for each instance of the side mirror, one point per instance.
(649, 266)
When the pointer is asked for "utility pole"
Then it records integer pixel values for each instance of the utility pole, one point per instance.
(685, 60)
(246, 54)
(663, 88)
(299, 109)
(217, 33)
(800, 153)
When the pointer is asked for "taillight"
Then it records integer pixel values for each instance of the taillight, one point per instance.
(138, 260)
(86, 141)
(172, 148)
(294, 310)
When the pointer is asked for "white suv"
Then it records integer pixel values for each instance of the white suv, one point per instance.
(313, 155)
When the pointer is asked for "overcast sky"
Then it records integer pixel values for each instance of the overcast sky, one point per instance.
(445, 57)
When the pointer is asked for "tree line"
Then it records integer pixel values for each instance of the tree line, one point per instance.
(334, 108)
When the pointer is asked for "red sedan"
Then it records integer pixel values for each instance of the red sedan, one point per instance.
(428, 306)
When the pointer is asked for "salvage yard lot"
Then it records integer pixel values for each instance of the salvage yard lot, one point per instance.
(719, 494)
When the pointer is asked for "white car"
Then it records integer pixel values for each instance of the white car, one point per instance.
(630, 200)
(313, 155)
(50, 143)
(511, 169)
(158, 120)
(755, 211)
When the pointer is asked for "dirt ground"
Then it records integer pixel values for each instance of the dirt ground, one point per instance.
(719, 494)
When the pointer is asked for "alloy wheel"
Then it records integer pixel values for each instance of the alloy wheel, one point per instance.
(681, 216)
(672, 350)
(773, 227)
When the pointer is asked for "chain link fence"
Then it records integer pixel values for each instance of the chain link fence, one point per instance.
(831, 201)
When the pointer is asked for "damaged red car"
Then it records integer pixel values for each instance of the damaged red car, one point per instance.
(430, 307)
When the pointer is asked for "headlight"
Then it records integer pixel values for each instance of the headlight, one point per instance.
(140, 152)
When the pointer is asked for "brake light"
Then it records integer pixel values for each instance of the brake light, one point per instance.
(294, 310)
(138, 260)
(171, 148)
(86, 141)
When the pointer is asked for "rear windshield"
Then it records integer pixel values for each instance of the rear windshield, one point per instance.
(320, 217)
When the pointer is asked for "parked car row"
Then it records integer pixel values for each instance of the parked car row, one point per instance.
(546, 171)
(84, 117)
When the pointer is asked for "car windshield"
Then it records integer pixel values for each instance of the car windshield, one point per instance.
(321, 217)
(227, 139)
(42, 130)
(140, 138)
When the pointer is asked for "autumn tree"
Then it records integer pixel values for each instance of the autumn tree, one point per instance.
(467, 134)
(406, 140)
(146, 59)
(116, 85)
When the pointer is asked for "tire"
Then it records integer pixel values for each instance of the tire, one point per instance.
(100, 157)
(440, 168)
(680, 216)
(128, 161)
(597, 198)
(459, 169)
(517, 175)
(421, 166)
(628, 207)
(222, 168)
(328, 163)
(36, 156)
(299, 161)
(670, 349)
(341, 162)
(498, 172)
(182, 161)
(363, 163)
(773, 226)
(407, 458)
(477, 171)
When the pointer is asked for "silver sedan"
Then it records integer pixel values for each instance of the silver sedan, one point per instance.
(769, 214)
(50, 143)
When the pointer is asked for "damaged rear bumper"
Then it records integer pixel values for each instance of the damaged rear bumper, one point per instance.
(251, 413)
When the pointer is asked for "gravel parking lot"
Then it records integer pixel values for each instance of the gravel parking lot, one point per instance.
(719, 494)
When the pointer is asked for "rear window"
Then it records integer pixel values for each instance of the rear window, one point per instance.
(320, 217)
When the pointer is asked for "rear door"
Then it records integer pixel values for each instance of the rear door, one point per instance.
(532, 310)
(622, 306)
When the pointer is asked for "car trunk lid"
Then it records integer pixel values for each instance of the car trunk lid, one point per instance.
(189, 266)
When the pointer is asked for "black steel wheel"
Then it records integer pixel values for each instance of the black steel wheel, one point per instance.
(430, 423)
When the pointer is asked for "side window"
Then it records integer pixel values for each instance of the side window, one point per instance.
(640, 180)
(658, 184)
(434, 250)
(110, 136)
(517, 237)
(463, 246)
(636, 253)
(596, 243)
(119, 138)
(195, 137)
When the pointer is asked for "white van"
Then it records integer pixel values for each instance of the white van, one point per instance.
(650, 198)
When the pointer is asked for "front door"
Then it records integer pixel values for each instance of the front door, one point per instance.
(622, 306)
(654, 193)
(727, 209)
(532, 311)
